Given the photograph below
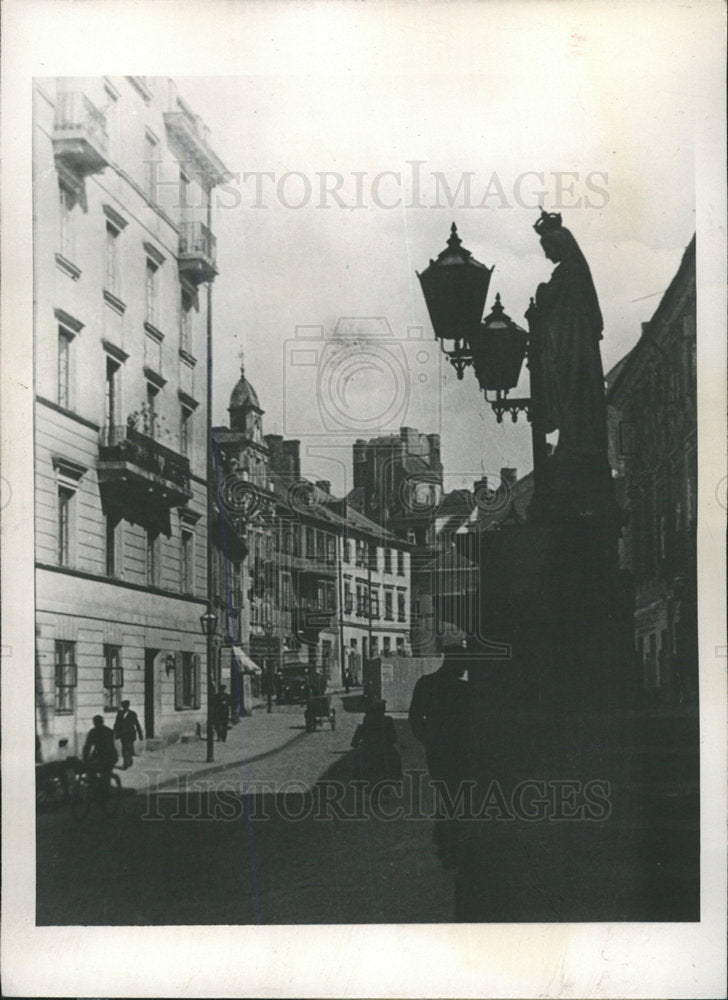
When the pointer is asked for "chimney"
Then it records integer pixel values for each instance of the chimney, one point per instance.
(435, 463)
(480, 484)
(359, 459)
(408, 440)
(508, 478)
(275, 452)
(292, 458)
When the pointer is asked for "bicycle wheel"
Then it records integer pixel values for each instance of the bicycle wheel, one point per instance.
(81, 797)
(112, 803)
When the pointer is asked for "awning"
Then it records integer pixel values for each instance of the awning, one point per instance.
(244, 663)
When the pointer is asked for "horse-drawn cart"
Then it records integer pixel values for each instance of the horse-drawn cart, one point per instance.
(317, 710)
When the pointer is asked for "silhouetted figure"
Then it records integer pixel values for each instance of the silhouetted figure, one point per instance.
(126, 727)
(348, 680)
(222, 713)
(375, 754)
(99, 752)
(569, 324)
(438, 716)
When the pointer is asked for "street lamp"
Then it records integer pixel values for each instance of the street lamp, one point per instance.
(268, 632)
(208, 623)
(455, 287)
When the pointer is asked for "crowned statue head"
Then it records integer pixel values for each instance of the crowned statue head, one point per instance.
(557, 242)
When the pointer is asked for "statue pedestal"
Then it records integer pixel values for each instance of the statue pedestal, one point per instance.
(558, 724)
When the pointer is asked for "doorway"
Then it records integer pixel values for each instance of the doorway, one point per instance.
(150, 656)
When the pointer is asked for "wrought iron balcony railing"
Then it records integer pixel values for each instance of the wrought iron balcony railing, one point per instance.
(126, 454)
(79, 133)
(197, 252)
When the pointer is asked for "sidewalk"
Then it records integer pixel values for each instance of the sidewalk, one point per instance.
(254, 736)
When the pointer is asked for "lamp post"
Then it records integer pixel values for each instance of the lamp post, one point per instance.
(208, 623)
(455, 288)
(268, 631)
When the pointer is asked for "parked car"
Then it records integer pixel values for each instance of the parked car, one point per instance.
(293, 687)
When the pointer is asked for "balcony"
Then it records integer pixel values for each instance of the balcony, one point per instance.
(79, 134)
(197, 252)
(312, 566)
(192, 136)
(140, 469)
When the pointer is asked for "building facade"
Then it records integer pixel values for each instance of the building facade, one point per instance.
(653, 452)
(398, 485)
(321, 586)
(123, 262)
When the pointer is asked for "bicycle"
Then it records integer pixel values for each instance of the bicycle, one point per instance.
(88, 789)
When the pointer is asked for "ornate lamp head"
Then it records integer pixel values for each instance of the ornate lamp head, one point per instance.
(455, 287)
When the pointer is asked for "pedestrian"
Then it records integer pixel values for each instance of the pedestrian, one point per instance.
(222, 708)
(99, 751)
(376, 757)
(438, 716)
(348, 680)
(126, 728)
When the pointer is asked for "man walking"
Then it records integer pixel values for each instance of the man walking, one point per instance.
(126, 728)
(222, 713)
(438, 717)
(99, 752)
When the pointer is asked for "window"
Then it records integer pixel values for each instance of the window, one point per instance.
(112, 259)
(152, 546)
(111, 406)
(186, 561)
(387, 646)
(375, 646)
(320, 597)
(152, 416)
(310, 543)
(401, 607)
(64, 367)
(348, 599)
(330, 550)
(373, 603)
(187, 680)
(373, 558)
(151, 160)
(387, 560)
(185, 330)
(400, 646)
(360, 609)
(152, 280)
(330, 597)
(400, 562)
(112, 554)
(65, 676)
(388, 613)
(320, 547)
(65, 511)
(285, 591)
(184, 195)
(185, 430)
(66, 202)
(113, 678)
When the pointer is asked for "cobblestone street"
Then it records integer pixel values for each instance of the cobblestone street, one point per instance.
(281, 839)
(237, 853)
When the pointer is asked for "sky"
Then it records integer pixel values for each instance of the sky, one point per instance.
(320, 290)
